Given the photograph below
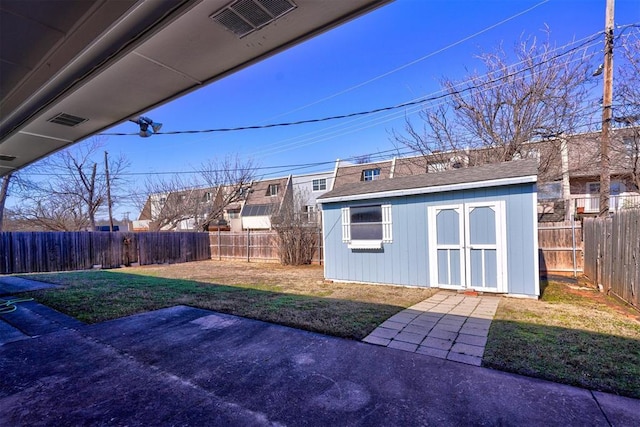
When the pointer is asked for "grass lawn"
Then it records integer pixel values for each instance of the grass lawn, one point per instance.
(573, 335)
(292, 296)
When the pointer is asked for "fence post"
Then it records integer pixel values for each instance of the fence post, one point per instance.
(573, 246)
(219, 249)
(248, 245)
(319, 249)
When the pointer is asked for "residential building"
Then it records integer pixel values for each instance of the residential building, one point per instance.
(264, 199)
(568, 171)
(306, 189)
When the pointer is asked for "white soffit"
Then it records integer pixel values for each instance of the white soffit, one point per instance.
(146, 54)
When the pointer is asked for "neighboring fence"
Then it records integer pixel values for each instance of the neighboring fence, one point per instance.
(252, 246)
(612, 254)
(30, 252)
(560, 247)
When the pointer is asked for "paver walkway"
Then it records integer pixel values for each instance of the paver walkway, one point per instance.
(448, 325)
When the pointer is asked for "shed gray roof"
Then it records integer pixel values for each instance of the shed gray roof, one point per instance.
(477, 174)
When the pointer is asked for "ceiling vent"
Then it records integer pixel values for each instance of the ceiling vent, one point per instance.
(67, 120)
(246, 16)
(6, 158)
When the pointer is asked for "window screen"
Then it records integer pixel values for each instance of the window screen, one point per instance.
(366, 223)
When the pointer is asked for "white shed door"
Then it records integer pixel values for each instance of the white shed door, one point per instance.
(447, 246)
(467, 246)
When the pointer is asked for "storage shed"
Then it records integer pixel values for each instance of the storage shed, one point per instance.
(472, 228)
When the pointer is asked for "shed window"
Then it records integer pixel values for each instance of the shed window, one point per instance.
(366, 224)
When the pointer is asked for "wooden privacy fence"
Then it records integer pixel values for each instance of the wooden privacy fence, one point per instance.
(31, 252)
(252, 245)
(560, 247)
(612, 254)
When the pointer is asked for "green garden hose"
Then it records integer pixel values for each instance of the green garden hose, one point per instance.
(9, 305)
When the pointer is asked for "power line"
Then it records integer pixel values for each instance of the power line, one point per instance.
(415, 61)
(372, 111)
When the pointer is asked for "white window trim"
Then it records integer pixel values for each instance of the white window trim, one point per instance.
(322, 182)
(365, 244)
(375, 174)
(273, 190)
(346, 225)
(387, 230)
(387, 224)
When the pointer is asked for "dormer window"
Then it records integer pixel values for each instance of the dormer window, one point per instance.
(370, 174)
(273, 189)
(319, 184)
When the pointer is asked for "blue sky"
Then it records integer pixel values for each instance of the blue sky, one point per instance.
(392, 55)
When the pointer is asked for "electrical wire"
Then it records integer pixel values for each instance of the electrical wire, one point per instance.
(415, 61)
(367, 112)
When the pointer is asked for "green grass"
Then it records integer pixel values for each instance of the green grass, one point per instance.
(569, 338)
(102, 295)
(578, 338)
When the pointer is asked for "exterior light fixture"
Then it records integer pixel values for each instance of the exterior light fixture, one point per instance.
(147, 126)
(598, 70)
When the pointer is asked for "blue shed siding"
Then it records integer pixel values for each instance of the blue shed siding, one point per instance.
(405, 261)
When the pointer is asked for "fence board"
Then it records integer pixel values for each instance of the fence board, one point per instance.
(612, 254)
(556, 247)
(31, 252)
(253, 245)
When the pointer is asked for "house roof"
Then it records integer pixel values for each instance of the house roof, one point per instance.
(353, 173)
(514, 172)
(258, 194)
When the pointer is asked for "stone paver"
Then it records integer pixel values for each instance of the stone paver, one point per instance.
(384, 333)
(433, 352)
(471, 339)
(389, 324)
(443, 334)
(448, 325)
(464, 358)
(438, 343)
(410, 337)
(400, 345)
(372, 339)
(470, 350)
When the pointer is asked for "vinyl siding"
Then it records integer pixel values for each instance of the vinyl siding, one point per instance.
(405, 261)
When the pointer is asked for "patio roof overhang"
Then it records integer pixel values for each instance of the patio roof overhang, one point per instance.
(70, 69)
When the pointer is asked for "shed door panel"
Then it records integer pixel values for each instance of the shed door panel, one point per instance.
(467, 246)
(448, 250)
(482, 247)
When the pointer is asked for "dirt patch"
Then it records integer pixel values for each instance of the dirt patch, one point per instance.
(231, 272)
(582, 288)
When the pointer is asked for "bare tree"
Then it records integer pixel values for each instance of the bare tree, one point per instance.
(199, 201)
(63, 213)
(168, 202)
(67, 189)
(626, 145)
(231, 178)
(297, 236)
(496, 114)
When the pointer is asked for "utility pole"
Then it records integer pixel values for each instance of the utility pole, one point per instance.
(106, 170)
(607, 111)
